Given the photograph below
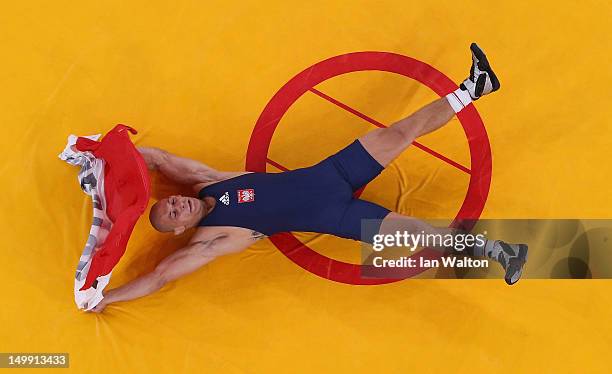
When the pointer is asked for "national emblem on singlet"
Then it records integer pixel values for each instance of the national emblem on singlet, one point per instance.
(246, 196)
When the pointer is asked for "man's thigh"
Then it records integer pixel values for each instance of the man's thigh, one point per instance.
(355, 165)
(395, 222)
(357, 211)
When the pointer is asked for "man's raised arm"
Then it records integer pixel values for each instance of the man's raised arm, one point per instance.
(179, 263)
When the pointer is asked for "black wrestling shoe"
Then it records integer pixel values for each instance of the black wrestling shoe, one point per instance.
(512, 258)
(482, 79)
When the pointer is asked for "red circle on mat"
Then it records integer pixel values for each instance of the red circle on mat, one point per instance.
(261, 137)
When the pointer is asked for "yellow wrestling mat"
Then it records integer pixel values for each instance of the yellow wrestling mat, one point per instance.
(193, 78)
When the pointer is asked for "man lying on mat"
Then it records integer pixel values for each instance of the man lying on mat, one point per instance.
(235, 209)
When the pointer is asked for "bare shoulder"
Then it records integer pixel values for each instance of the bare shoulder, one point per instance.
(225, 239)
(220, 177)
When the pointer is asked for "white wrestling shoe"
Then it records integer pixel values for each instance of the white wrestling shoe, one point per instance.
(512, 258)
(482, 79)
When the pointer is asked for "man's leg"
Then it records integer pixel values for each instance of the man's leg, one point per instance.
(512, 257)
(386, 144)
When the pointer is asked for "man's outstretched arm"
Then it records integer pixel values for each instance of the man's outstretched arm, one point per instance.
(179, 169)
(179, 263)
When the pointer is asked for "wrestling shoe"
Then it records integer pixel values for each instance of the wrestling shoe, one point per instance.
(482, 79)
(512, 258)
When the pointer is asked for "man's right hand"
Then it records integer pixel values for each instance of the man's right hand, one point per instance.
(100, 307)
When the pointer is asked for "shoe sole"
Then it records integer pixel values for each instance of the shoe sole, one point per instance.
(522, 257)
(483, 64)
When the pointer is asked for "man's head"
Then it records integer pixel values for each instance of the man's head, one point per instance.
(177, 213)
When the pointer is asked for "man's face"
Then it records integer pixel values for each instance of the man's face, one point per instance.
(176, 213)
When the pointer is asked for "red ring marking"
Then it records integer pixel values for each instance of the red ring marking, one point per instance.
(261, 137)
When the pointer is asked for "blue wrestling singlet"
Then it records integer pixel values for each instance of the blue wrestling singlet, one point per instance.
(318, 198)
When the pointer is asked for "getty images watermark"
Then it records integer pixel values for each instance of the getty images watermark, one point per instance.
(558, 249)
(402, 240)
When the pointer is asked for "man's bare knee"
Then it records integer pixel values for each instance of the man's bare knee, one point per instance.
(408, 133)
(386, 144)
(395, 222)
